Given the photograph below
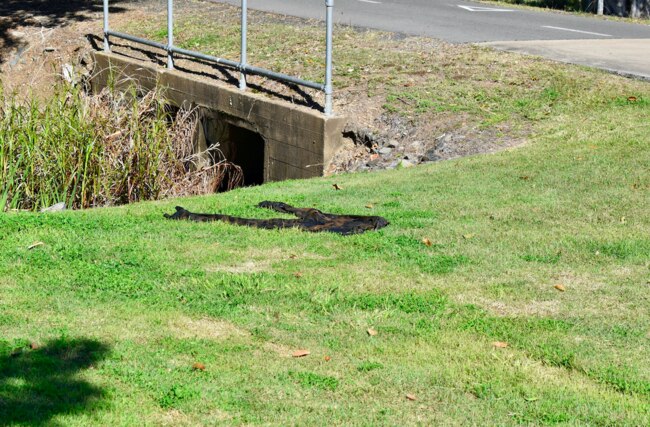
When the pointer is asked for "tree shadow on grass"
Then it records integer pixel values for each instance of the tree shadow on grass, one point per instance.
(38, 383)
(46, 14)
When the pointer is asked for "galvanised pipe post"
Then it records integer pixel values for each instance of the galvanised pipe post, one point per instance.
(244, 29)
(242, 66)
(107, 46)
(170, 34)
(329, 6)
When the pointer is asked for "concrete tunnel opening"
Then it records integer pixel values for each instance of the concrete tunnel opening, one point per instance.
(222, 140)
(271, 140)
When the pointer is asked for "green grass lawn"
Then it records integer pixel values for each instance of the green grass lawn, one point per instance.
(104, 322)
(127, 302)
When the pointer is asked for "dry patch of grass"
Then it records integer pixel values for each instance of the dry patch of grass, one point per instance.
(205, 328)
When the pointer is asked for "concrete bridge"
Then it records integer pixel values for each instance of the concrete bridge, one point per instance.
(270, 139)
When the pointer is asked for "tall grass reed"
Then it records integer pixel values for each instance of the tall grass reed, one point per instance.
(100, 150)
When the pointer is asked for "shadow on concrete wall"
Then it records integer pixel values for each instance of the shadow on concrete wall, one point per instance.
(38, 383)
(294, 94)
(43, 13)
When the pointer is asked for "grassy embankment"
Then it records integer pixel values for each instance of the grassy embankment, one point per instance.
(121, 303)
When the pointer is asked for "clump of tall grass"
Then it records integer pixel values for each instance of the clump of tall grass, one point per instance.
(100, 150)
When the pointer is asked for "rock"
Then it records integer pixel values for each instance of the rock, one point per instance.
(392, 143)
(443, 139)
(393, 165)
(431, 156)
(385, 150)
(42, 20)
(441, 149)
(67, 71)
(405, 164)
(55, 208)
(373, 162)
(17, 56)
(362, 136)
(417, 146)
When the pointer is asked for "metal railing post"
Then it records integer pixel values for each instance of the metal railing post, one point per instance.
(107, 46)
(329, 6)
(244, 30)
(170, 34)
(243, 67)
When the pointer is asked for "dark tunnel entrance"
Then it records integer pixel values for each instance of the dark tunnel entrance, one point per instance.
(246, 149)
(233, 144)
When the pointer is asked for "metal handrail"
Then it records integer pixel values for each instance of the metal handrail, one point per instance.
(243, 67)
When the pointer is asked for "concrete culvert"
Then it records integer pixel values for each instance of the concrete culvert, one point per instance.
(218, 141)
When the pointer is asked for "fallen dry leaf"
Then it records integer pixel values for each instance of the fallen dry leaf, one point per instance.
(369, 206)
(301, 353)
(327, 358)
(337, 187)
(632, 98)
(34, 346)
(198, 366)
(467, 236)
(114, 135)
(411, 397)
(524, 177)
(297, 274)
(426, 241)
(499, 344)
(372, 332)
(35, 245)
(293, 256)
(560, 287)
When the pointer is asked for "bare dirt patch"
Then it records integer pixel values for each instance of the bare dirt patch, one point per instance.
(38, 37)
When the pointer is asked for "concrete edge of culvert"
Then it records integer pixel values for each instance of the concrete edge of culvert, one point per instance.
(298, 142)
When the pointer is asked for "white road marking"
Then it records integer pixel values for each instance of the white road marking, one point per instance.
(576, 31)
(482, 9)
(370, 1)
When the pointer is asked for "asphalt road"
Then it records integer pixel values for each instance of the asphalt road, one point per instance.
(456, 21)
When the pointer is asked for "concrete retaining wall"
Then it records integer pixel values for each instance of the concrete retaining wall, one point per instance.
(298, 142)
